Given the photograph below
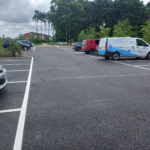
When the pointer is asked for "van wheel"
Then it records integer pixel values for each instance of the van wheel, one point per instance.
(115, 56)
(148, 56)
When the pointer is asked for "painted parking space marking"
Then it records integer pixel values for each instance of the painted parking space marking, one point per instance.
(21, 123)
(79, 53)
(143, 65)
(10, 110)
(96, 57)
(135, 66)
(101, 76)
(127, 64)
(17, 70)
(16, 82)
(15, 60)
(16, 64)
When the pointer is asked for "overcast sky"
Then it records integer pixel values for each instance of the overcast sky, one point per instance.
(16, 15)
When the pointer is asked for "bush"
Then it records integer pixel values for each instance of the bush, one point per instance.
(36, 40)
(15, 49)
(4, 52)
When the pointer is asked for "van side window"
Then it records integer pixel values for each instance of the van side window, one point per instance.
(141, 43)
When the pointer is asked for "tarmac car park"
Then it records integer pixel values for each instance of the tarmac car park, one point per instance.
(76, 101)
(11, 98)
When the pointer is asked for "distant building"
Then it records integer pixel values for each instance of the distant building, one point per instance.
(28, 36)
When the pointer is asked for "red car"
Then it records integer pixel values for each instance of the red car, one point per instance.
(89, 46)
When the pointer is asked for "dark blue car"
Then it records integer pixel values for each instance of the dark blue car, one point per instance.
(26, 42)
(23, 43)
(77, 46)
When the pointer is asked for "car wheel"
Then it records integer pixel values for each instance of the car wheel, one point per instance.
(115, 56)
(148, 56)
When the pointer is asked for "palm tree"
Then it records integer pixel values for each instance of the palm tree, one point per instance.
(42, 20)
(45, 21)
(49, 21)
(36, 18)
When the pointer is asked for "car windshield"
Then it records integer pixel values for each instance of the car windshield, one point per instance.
(24, 42)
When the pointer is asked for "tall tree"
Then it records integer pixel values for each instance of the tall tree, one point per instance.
(36, 18)
(123, 28)
(146, 31)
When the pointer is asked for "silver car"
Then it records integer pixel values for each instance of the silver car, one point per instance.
(3, 77)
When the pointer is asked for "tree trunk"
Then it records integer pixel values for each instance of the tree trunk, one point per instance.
(41, 29)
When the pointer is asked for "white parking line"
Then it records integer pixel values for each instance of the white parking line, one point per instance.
(16, 82)
(15, 60)
(17, 70)
(100, 76)
(16, 64)
(99, 57)
(10, 110)
(143, 65)
(79, 53)
(21, 122)
(135, 66)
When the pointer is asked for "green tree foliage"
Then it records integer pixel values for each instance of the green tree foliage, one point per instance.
(123, 28)
(89, 33)
(104, 32)
(15, 49)
(146, 31)
(82, 35)
(70, 17)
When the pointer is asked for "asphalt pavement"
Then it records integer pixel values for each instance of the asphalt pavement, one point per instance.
(76, 102)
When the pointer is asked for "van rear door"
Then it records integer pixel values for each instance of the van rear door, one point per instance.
(101, 47)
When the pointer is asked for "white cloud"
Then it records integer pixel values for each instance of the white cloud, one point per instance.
(16, 15)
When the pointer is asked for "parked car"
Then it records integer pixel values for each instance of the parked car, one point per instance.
(89, 46)
(117, 47)
(27, 42)
(77, 46)
(24, 45)
(6, 44)
(3, 77)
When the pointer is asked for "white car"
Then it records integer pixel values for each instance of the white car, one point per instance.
(123, 47)
(3, 77)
